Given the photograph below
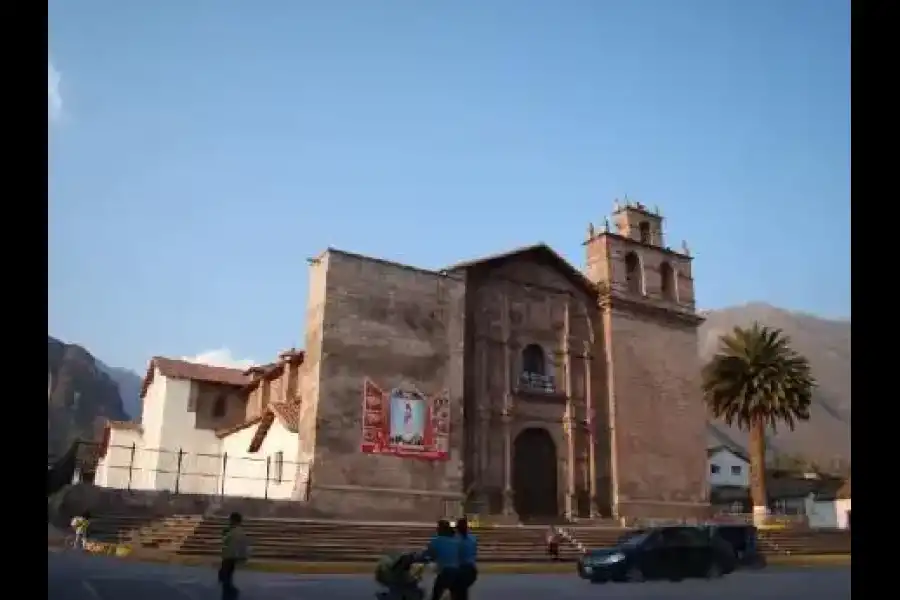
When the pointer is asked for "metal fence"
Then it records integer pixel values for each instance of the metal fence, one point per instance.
(133, 467)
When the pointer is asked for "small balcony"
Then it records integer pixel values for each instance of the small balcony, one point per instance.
(536, 383)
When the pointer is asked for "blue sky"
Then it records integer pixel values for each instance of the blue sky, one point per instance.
(202, 150)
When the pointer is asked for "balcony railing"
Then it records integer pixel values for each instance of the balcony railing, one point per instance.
(537, 383)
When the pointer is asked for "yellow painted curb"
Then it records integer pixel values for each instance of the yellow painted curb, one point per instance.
(336, 568)
(813, 560)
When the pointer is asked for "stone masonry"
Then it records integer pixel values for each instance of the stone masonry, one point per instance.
(599, 369)
(400, 327)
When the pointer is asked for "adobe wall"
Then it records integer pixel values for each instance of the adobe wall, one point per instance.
(658, 416)
(399, 327)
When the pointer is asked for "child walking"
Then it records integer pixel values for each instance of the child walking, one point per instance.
(80, 526)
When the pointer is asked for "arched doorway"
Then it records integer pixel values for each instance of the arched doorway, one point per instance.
(534, 474)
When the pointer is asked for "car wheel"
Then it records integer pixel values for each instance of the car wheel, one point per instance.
(714, 571)
(634, 575)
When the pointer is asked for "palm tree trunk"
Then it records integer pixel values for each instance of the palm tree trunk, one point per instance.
(758, 493)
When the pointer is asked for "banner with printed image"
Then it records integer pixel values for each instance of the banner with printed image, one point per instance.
(405, 423)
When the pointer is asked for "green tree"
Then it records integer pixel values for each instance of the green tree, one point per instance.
(757, 381)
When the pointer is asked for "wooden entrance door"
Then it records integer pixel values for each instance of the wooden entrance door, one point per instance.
(535, 474)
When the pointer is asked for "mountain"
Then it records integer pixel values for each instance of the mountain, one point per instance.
(80, 394)
(129, 384)
(825, 438)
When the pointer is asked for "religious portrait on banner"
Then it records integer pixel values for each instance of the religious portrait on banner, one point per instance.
(405, 422)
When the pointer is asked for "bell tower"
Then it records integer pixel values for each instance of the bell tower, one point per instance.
(655, 411)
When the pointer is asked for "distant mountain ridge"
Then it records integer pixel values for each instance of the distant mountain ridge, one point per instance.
(84, 388)
(129, 384)
(79, 395)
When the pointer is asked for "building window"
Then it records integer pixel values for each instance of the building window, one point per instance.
(736, 470)
(714, 469)
(219, 407)
(278, 467)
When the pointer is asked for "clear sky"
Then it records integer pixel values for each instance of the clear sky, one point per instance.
(201, 150)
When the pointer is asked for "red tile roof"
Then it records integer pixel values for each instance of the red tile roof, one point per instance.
(274, 370)
(127, 425)
(289, 413)
(182, 369)
(843, 492)
(286, 412)
(103, 446)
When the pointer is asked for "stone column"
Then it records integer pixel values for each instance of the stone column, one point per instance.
(592, 430)
(508, 505)
(484, 476)
(483, 400)
(571, 502)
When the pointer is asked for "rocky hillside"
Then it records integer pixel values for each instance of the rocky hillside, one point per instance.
(825, 439)
(129, 384)
(79, 395)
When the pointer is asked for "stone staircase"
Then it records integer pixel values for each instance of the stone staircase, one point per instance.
(307, 540)
(165, 534)
(804, 541)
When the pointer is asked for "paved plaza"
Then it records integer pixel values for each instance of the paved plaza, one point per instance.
(79, 577)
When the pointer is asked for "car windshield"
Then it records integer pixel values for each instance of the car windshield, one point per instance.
(634, 540)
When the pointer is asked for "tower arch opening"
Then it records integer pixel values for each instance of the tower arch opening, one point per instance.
(634, 273)
(667, 283)
(646, 235)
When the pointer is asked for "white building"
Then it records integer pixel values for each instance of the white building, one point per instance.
(727, 467)
(211, 430)
(830, 513)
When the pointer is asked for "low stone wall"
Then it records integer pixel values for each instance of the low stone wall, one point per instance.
(76, 499)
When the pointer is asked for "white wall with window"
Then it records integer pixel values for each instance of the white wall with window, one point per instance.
(269, 472)
(727, 468)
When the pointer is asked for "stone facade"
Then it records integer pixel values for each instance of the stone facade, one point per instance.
(572, 393)
(400, 327)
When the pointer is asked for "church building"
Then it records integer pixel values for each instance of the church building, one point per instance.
(514, 385)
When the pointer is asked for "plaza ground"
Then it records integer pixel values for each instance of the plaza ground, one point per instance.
(80, 577)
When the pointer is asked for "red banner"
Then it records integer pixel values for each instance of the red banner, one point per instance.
(405, 423)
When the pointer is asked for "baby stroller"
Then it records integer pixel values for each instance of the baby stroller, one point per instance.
(401, 576)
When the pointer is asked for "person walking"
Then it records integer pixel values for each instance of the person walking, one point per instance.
(80, 525)
(235, 550)
(468, 556)
(444, 551)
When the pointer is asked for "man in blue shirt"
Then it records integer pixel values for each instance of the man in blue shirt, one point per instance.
(444, 551)
(468, 556)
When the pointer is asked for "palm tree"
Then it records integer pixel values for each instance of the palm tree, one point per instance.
(757, 381)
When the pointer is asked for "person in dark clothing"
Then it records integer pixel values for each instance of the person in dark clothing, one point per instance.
(553, 543)
(468, 556)
(444, 551)
(234, 551)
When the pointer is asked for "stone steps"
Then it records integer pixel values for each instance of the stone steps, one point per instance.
(317, 540)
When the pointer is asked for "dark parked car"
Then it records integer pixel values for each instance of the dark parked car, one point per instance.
(672, 553)
(744, 540)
